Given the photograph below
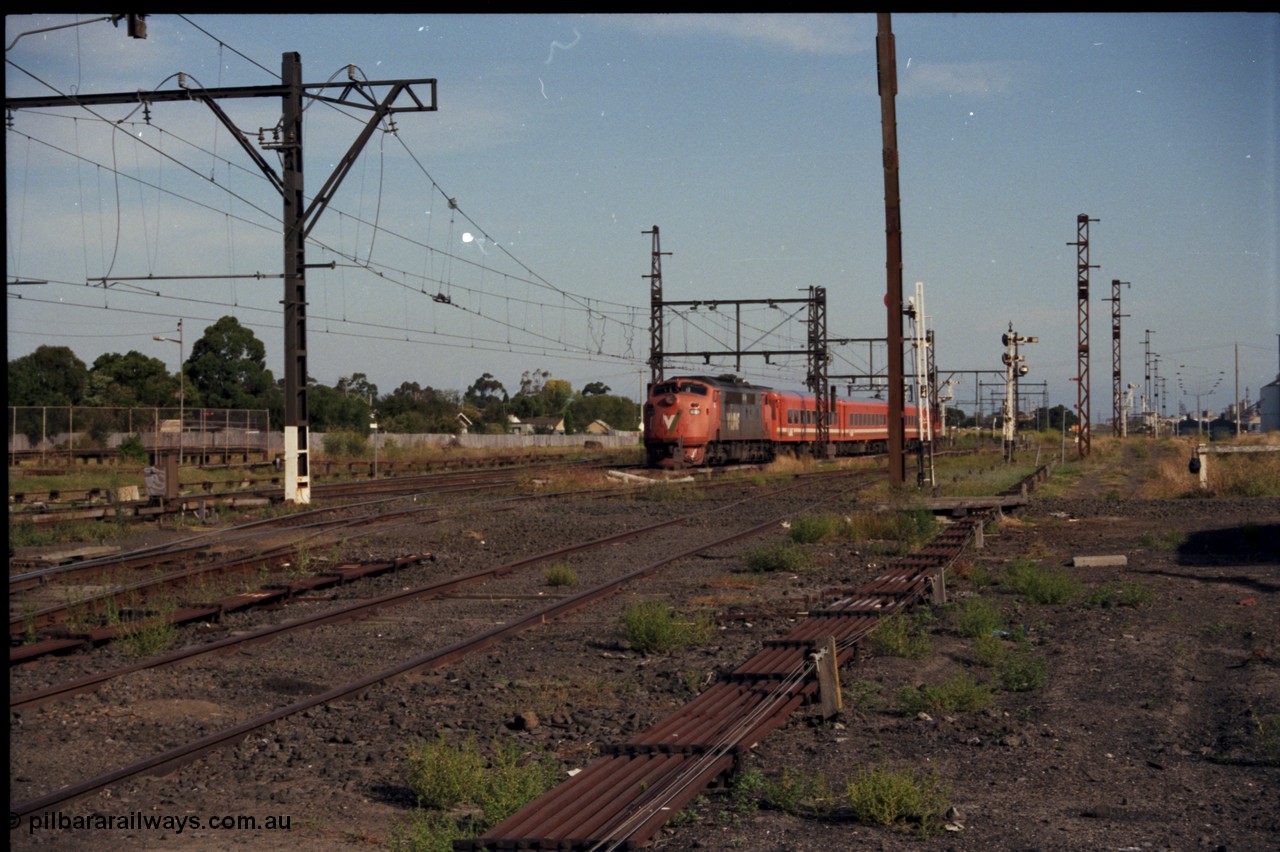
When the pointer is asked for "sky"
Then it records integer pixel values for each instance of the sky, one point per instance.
(505, 231)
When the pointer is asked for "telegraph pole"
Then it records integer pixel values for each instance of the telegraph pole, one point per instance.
(887, 72)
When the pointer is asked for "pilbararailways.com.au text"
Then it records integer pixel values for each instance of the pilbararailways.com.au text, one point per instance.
(139, 821)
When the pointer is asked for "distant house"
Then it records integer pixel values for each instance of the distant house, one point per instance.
(598, 427)
(536, 425)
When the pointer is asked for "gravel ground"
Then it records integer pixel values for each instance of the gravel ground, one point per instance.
(1148, 732)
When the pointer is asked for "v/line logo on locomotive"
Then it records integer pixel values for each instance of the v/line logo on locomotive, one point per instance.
(731, 421)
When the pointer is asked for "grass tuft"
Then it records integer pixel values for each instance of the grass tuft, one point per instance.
(655, 628)
(881, 796)
(1042, 585)
(901, 635)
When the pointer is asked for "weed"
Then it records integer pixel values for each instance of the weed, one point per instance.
(443, 775)
(959, 694)
(691, 814)
(144, 637)
(808, 529)
(989, 649)
(1266, 737)
(748, 787)
(978, 618)
(692, 679)
(901, 635)
(560, 575)
(1042, 585)
(979, 576)
(777, 557)
(1132, 594)
(881, 796)
(654, 627)
(889, 532)
(1167, 540)
(798, 794)
(513, 781)
(1022, 672)
(863, 694)
(428, 831)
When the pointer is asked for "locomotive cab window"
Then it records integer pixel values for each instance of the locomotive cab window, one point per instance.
(680, 387)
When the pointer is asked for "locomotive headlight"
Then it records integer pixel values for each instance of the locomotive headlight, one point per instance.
(669, 399)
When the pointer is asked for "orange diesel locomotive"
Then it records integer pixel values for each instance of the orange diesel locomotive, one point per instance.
(700, 420)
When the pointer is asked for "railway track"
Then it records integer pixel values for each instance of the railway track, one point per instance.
(623, 798)
(441, 656)
(99, 504)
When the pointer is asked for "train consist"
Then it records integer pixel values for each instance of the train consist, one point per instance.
(700, 420)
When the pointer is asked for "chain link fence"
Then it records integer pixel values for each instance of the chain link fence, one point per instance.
(70, 431)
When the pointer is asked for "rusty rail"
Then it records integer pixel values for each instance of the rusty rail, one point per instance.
(625, 796)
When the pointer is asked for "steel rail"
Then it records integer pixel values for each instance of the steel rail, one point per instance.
(173, 758)
(624, 797)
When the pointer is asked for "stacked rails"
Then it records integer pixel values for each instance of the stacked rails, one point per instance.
(624, 797)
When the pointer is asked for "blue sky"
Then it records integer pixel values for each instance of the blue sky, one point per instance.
(752, 142)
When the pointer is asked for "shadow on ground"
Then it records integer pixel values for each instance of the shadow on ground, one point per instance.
(1248, 544)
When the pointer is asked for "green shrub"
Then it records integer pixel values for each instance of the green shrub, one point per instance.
(779, 556)
(345, 444)
(808, 529)
(979, 617)
(798, 794)
(132, 450)
(654, 627)
(148, 636)
(901, 635)
(1021, 671)
(989, 649)
(1132, 594)
(959, 694)
(895, 532)
(881, 796)
(560, 575)
(428, 831)
(863, 694)
(1042, 585)
(444, 775)
(513, 781)
(1266, 738)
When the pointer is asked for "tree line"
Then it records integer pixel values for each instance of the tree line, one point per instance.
(226, 368)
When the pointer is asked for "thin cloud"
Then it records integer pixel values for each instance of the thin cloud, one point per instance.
(799, 33)
(973, 79)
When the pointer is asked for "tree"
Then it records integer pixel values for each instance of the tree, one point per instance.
(129, 380)
(411, 408)
(329, 409)
(228, 368)
(51, 375)
(358, 385)
(595, 388)
(557, 393)
(1057, 414)
(484, 391)
(618, 411)
(531, 382)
